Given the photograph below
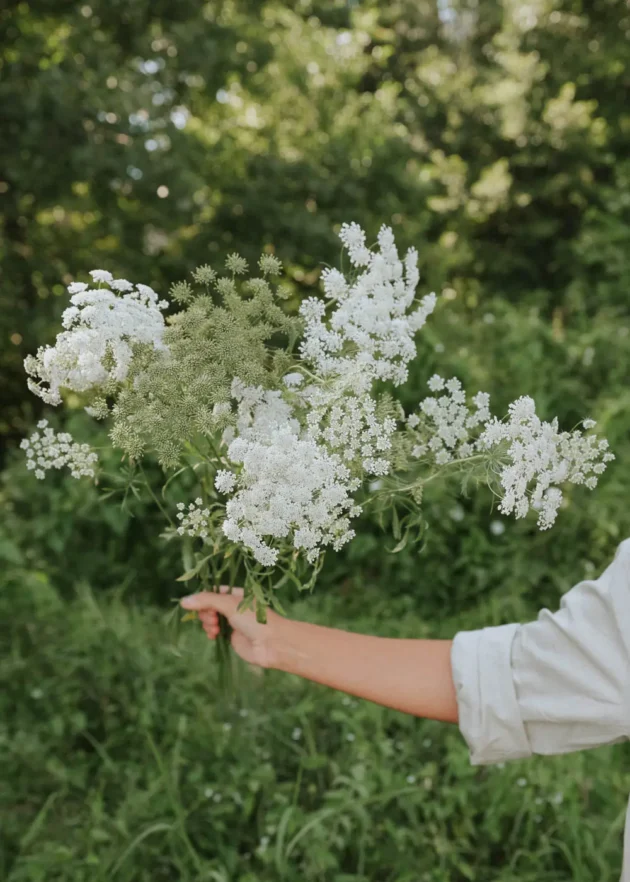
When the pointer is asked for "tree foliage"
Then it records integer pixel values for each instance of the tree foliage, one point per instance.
(150, 137)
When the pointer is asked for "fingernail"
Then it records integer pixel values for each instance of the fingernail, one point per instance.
(188, 602)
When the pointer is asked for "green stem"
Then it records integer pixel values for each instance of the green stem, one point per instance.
(223, 642)
(434, 476)
(217, 453)
(155, 499)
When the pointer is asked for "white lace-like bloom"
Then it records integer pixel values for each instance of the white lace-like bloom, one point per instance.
(370, 332)
(101, 276)
(534, 456)
(293, 381)
(121, 285)
(261, 411)
(436, 383)
(194, 521)
(225, 481)
(353, 238)
(288, 484)
(540, 455)
(347, 425)
(447, 421)
(101, 326)
(54, 450)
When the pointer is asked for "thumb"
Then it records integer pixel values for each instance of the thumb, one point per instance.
(225, 604)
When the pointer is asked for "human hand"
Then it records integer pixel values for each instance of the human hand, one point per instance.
(254, 642)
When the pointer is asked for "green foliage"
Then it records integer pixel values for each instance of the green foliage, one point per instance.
(498, 149)
(71, 531)
(172, 398)
(119, 761)
(495, 143)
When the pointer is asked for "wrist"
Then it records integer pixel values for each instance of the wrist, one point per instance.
(284, 645)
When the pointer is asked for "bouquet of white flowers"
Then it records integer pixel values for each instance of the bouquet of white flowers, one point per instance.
(279, 419)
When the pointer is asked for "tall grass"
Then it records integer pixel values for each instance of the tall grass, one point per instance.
(120, 762)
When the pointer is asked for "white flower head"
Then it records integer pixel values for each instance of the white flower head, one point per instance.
(293, 381)
(436, 383)
(446, 422)
(539, 459)
(225, 481)
(353, 238)
(371, 328)
(101, 276)
(49, 449)
(121, 285)
(288, 485)
(100, 326)
(194, 521)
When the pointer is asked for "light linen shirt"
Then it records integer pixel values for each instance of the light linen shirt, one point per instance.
(556, 685)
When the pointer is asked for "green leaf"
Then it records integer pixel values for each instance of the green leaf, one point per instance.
(401, 544)
(395, 523)
(172, 478)
(187, 576)
(190, 574)
(261, 614)
(188, 557)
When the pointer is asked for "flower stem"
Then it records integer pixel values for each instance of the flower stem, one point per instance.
(155, 499)
(223, 643)
(435, 475)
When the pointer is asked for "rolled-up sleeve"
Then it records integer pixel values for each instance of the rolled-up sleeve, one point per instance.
(555, 685)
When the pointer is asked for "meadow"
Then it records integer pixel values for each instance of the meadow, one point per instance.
(148, 138)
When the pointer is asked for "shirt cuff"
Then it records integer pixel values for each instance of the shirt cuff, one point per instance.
(489, 714)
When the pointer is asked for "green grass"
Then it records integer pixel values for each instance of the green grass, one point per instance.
(121, 761)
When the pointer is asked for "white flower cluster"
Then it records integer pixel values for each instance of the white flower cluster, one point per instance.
(449, 420)
(100, 327)
(293, 380)
(538, 453)
(291, 458)
(348, 426)
(533, 456)
(287, 484)
(194, 521)
(303, 451)
(225, 481)
(51, 450)
(370, 333)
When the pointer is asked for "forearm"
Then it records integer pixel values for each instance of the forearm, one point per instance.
(413, 676)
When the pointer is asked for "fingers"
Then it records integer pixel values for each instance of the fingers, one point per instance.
(210, 624)
(211, 600)
(209, 604)
(236, 592)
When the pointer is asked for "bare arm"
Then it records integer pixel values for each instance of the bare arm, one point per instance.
(413, 676)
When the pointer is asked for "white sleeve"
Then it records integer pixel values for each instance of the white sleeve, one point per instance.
(556, 685)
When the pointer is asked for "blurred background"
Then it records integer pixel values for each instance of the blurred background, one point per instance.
(146, 138)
